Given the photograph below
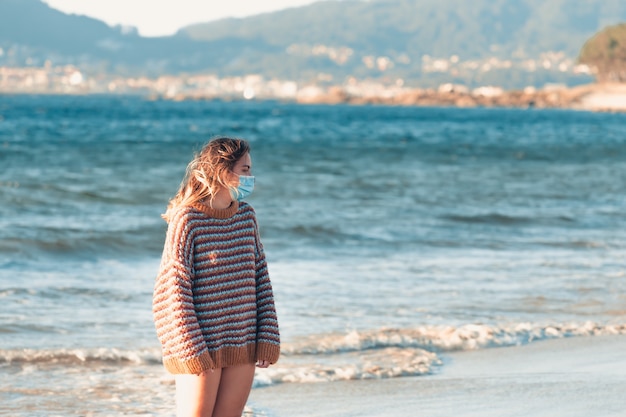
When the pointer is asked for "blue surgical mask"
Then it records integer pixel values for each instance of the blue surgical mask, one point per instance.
(245, 188)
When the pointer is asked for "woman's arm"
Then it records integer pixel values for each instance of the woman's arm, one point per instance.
(184, 349)
(268, 336)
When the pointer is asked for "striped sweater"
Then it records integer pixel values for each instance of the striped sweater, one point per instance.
(213, 305)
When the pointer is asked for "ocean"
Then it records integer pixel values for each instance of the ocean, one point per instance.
(397, 238)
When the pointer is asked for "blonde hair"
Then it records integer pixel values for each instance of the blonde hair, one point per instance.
(208, 172)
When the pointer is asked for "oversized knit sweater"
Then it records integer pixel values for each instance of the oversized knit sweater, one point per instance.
(213, 304)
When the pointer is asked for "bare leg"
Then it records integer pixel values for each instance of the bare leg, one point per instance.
(235, 385)
(196, 394)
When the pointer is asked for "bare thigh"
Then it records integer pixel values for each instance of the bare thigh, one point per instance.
(196, 394)
(235, 385)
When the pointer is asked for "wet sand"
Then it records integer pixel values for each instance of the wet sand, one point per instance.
(574, 377)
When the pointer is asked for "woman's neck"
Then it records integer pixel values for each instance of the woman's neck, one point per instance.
(222, 199)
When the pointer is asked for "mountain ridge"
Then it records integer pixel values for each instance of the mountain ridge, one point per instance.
(377, 39)
(435, 27)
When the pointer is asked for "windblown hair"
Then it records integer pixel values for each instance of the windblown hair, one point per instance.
(208, 172)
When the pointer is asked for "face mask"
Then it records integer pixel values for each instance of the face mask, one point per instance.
(245, 188)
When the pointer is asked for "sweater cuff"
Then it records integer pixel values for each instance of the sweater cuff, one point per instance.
(193, 366)
(267, 352)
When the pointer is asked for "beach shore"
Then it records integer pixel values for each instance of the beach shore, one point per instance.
(603, 97)
(572, 377)
(591, 97)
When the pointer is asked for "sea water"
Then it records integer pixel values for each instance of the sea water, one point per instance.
(393, 235)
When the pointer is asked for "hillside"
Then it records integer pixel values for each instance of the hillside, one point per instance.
(471, 29)
(31, 32)
(349, 37)
(329, 40)
(606, 50)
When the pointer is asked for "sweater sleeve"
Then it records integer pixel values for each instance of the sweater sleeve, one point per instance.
(184, 349)
(268, 337)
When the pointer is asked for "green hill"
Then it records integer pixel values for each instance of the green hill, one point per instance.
(470, 29)
(606, 51)
(327, 40)
(337, 38)
(31, 32)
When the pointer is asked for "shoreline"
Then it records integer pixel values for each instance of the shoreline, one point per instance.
(605, 97)
(596, 97)
(590, 97)
(570, 377)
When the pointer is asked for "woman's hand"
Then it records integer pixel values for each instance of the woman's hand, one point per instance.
(262, 363)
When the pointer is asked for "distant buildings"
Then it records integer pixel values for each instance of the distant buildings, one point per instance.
(47, 79)
(446, 73)
(24, 69)
(453, 65)
(71, 80)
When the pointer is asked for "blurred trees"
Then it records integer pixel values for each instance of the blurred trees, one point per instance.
(606, 50)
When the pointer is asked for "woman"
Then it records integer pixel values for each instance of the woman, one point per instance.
(213, 304)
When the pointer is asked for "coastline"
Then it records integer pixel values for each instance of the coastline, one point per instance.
(595, 97)
(570, 377)
(598, 97)
(591, 97)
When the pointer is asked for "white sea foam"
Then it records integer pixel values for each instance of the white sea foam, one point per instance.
(381, 353)
(447, 338)
(79, 356)
(391, 353)
(375, 364)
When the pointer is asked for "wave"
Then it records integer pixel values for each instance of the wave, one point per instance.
(86, 243)
(392, 353)
(508, 220)
(92, 357)
(447, 338)
(492, 218)
(377, 364)
(356, 355)
(575, 244)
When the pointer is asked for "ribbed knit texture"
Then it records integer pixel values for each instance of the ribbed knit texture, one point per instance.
(213, 303)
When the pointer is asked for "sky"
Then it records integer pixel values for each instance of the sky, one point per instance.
(165, 17)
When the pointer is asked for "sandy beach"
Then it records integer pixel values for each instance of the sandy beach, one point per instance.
(572, 377)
